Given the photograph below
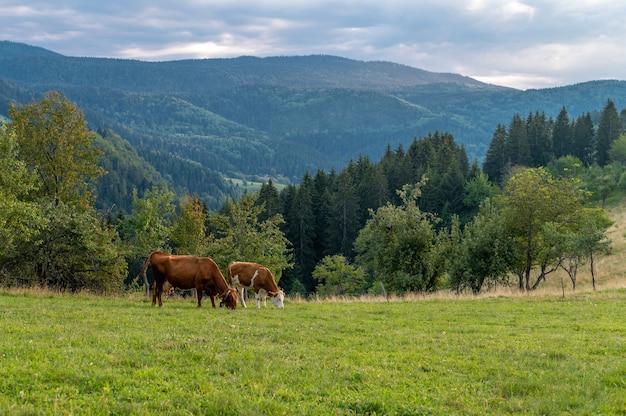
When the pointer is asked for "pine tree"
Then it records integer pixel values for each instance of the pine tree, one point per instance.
(609, 129)
(539, 130)
(496, 159)
(562, 135)
(518, 148)
(584, 139)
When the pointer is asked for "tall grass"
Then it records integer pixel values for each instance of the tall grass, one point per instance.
(495, 355)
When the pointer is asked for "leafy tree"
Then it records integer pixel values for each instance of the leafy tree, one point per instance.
(397, 242)
(477, 189)
(583, 243)
(149, 225)
(245, 238)
(53, 140)
(601, 181)
(479, 255)
(609, 129)
(19, 218)
(617, 151)
(531, 200)
(69, 248)
(188, 232)
(338, 277)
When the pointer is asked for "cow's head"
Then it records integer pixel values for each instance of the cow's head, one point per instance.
(229, 299)
(277, 298)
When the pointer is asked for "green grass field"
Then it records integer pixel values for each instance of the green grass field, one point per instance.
(533, 355)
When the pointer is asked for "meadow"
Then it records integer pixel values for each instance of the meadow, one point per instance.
(532, 354)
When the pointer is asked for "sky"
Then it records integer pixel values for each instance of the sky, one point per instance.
(517, 43)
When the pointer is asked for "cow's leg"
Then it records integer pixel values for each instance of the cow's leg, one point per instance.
(257, 298)
(158, 290)
(212, 300)
(240, 296)
(199, 291)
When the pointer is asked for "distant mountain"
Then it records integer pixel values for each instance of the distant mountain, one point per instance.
(278, 116)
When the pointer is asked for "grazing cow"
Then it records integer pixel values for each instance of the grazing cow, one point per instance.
(189, 272)
(252, 275)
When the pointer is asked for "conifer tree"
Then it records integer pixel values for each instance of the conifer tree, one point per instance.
(562, 135)
(609, 129)
(496, 158)
(539, 130)
(584, 139)
(518, 148)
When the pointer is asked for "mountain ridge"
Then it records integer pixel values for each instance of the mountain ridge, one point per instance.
(278, 116)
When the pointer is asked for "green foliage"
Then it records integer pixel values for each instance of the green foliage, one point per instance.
(609, 129)
(148, 227)
(19, 218)
(480, 255)
(401, 239)
(338, 277)
(66, 246)
(53, 140)
(188, 232)
(535, 208)
(240, 236)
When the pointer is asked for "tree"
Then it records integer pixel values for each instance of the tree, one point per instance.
(245, 238)
(148, 226)
(609, 129)
(188, 233)
(531, 201)
(584, 139)
(397, 244)
(479, 255)
(343, 220)
(19, 218)
(517, 146)
(270, 199)
(53, 140)
(338, 277)
(70, 247)
(562, 135)
(496, 159)
(540, 137)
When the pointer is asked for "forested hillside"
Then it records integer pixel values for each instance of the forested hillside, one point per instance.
(200, 122)
(420, 219)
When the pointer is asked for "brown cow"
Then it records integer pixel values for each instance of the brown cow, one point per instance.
(252, 275)
(189, 272)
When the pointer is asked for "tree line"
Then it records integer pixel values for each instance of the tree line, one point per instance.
(421, 219)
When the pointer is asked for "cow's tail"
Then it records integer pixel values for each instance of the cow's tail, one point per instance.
(143, 269)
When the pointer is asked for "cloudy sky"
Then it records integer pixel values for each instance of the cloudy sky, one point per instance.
(518, 43)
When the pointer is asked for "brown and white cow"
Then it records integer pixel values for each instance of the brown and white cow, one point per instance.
(189, 272)
(252, 275)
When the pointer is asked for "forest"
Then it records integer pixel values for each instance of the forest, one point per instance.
(204, 126)
(420, 219)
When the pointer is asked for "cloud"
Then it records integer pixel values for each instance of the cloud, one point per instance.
(520, 43)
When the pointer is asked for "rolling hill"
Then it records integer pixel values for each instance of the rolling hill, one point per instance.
(197, 121)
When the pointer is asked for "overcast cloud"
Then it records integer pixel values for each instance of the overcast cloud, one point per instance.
(522, 44)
